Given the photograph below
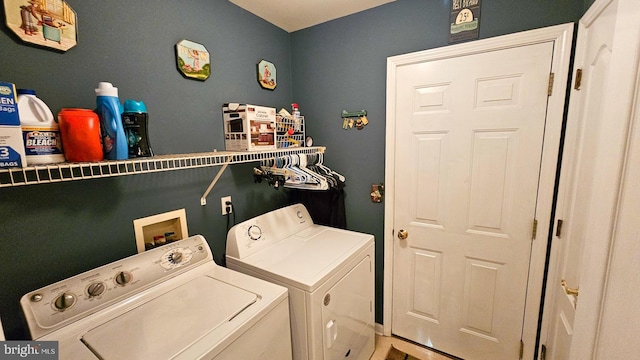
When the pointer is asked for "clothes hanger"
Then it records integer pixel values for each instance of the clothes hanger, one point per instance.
(321, 159)
(319, 179)
(323, 171)
(315, 181)
(297, 175)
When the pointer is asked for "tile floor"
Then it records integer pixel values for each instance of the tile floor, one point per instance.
(383, 343)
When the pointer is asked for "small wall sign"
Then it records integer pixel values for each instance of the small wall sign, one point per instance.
(267, 75)
(193, 60)
(51, 24)
(464, 20)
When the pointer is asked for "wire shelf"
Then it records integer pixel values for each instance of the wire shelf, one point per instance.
(45, 174)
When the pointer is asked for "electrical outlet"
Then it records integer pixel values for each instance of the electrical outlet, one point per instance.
(223, 204)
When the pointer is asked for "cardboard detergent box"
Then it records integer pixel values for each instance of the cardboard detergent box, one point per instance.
(249, 127)
(11, 145)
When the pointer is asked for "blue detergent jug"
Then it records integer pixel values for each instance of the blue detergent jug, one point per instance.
(109, 110)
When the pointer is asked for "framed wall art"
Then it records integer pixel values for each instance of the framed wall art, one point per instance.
(48, 23)
(193, 60)
(464, 20)
(267, 75)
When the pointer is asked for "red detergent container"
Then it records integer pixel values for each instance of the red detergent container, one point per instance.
(80, 133)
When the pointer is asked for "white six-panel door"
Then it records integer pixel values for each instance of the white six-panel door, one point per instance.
(469, 167)
(470, 136)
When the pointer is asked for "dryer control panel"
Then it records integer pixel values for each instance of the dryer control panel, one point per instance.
(251, 236)
(58, 304)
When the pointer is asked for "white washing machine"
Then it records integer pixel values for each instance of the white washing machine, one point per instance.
(171, 302)
(329, 273)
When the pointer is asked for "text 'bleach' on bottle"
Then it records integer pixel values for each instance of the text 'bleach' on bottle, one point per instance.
(40, 132)
(109, 111)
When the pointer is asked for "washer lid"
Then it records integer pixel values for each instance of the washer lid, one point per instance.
(306, 259)
(166, 325)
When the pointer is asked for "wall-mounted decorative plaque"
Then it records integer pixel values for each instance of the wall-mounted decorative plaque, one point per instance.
(49, 23)
(193, 60)
(267, 75)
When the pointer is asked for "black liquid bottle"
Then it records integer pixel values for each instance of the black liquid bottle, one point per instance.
(135, 121)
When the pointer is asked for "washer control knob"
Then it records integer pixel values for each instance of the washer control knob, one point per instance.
(176, 257)
(95, 289)
(254, 232)
(64, 301)
(123, 278)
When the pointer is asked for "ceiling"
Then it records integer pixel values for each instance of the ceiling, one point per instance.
(293, 15)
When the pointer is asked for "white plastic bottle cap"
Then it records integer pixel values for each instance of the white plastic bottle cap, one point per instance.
(106, 89)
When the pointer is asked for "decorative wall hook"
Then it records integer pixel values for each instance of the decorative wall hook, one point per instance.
(377, 193)
(354, 118)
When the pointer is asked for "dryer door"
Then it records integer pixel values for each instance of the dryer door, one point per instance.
(347, 315)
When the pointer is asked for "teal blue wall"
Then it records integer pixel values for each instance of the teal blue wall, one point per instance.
(53, 231)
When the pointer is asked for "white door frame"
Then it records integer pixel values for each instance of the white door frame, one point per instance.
(605, 247)
(623, 267)
(561, 35)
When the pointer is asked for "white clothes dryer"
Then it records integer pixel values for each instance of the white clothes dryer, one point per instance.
(171, 302)
(329, 273)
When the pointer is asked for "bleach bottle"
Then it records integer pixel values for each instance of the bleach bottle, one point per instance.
(109, 110)
(40, 132)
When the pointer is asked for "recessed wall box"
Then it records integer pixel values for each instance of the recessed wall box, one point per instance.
(169, 226)
(249, 127)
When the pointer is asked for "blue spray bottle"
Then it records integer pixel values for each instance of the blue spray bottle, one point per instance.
(109, 110)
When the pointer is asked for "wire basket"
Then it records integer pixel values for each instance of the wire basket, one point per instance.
(290, 132)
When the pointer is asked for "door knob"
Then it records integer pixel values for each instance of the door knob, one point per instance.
(403, 234)
(569, 290)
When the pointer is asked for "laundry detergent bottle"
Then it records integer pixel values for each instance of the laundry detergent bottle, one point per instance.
(109, 110)
(135, 120)
(40, 132)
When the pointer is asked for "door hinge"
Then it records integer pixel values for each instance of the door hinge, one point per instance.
(543, 352)
(550, 89)
(521, 349)
(578, 81)
(534, 229)
(559, 227)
